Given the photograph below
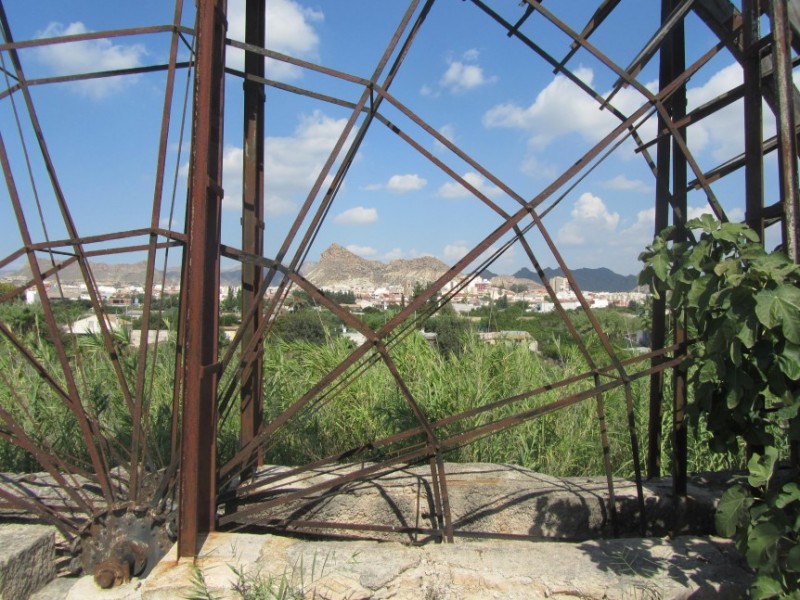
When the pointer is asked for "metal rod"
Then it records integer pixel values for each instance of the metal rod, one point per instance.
(199, 426)
(252, 226)
(784, 94)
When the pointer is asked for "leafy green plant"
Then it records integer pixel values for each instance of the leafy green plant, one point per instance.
(764, 517)
(743, 307)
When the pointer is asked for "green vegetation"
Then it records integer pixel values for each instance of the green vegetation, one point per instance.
(459, 374)
(456, 374)
(743, 305)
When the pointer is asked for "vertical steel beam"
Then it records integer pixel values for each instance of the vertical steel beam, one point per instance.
(679, 180)
(199, 426)
(787, 139)
(754, 156)
(658, 327)
(252, 222)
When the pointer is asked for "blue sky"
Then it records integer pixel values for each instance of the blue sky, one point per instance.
(464, 77)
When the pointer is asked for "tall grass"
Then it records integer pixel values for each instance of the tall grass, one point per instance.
(371, 406)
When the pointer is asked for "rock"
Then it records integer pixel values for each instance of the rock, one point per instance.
(27, 559)
(605, 569)
(58, 589)
(85, 587)
(484, 499)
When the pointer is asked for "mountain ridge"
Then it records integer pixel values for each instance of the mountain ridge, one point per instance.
(340, 268)
(588, 279)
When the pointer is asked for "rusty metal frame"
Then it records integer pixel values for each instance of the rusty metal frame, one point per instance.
(209, 386)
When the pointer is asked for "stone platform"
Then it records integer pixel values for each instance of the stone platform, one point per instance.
(685, 567)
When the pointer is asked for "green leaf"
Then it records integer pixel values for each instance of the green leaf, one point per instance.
(780, 307)
(732, 510)
(736, 351)
(789, 361)
(701, 290)
(660, 263)
(762, 545)
(789, 493)
(760, 467)
(766, 587)
(793, 560)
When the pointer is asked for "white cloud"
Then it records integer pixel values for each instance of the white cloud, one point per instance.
(640, 233)
(533, 167)
(562, 108)
(358, 215)
(461, 77)
(400, 184)
(289, 30)
(462, 74)
(453, 189)
(590, 218)
(693, 212)
(601, 239)
(362, 251)
(232, 157)
(291, 164)
(87, 56)
(559, 109)
(622, 183)
(455, 251)
(448, 132)
(394, 254)
(472, 54)
(722, 133)
(398, 253)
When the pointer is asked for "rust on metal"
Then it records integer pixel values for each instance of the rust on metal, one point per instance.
(120, 512)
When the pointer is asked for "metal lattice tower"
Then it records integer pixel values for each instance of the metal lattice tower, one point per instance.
(103, 501)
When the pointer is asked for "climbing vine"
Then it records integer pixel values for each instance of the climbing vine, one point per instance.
(742, 308)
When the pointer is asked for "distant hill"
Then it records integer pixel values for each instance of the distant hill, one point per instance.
(338, 267)
(589, 280)
(104, 273)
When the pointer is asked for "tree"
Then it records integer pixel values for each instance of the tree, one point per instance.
(6, 288)
(302, 325)
(450, 330)
(232, 302)
(419, 288)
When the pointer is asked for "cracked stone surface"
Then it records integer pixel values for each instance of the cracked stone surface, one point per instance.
(27, 559)
(680, 568)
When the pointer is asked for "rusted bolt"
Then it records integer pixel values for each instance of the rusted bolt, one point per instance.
(111, 573)
(133, 553)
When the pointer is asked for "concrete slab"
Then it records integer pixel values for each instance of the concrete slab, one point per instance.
(85, 587)
(58, 589)
(27, 559)
(608, 569)
(484, 499)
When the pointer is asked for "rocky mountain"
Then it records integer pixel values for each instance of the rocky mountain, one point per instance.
(338, 267)
(510, 282)
(589, 280)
